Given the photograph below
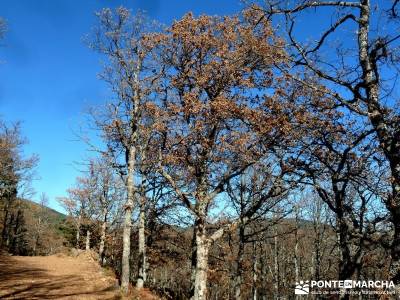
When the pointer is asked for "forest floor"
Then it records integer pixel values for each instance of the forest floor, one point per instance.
(56, 277)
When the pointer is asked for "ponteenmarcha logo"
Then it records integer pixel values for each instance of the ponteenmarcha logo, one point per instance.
(365, 286)
(302, 288)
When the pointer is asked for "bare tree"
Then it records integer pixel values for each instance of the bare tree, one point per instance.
(129, 71)
(204, 115)
(80, 207)
(359, 73)
(16, 174)
(320, 215)
(106, 190)
(41, 222)
(337, 163)
(254, 196)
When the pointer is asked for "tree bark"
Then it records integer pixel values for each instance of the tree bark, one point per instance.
(126, 235)
(78, 231)
(390, 142)
(201, 248)
(87, 240)
(395, 249)
(126, 245)
(200, 283)
(142, 247)
(5, 238)
(239, 263)
(103, 236)
(346, 269)
(317, 225)
(254, 285)
(296, 246)
(36, 244)
(276, 267)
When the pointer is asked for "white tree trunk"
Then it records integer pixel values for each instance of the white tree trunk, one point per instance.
(87, 240)
(254, 284)
(126, 235)
(126, 248)
(103, 236)
(201, 268)
(239, 263)
(78, 231)
(142, 248)
(296, 248)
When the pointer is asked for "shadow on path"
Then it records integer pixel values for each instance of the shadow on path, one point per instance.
(30, 282)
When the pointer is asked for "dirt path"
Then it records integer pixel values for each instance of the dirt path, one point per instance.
(54, 277)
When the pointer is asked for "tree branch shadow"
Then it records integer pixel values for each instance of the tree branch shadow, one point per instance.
(31, 282)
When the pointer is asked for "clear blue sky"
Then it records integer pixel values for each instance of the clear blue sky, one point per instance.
(48, 75)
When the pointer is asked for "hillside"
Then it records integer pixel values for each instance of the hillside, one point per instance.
(54, 217)
(29, 228)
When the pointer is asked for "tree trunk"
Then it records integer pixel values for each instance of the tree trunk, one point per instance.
(87, 248)
(126, 235)
(16, 239)
(142, 247)
(5, 237)
(394, 208)
(126, 248)
(200, 284)
(200, 267)
(78, 231)
(36, 244)
(103, 236)
(254, 285)
(388, 137)
(264, 270)
(276, 267)
(395, 249)
(239, 262)
(346, 269)
(317, 225)
(296, 248)
(9, 230)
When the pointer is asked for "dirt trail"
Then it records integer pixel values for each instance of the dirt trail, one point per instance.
(54, 277)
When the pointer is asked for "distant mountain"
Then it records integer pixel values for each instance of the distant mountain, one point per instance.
(54, 217)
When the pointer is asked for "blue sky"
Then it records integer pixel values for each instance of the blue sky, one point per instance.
(48, 77)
